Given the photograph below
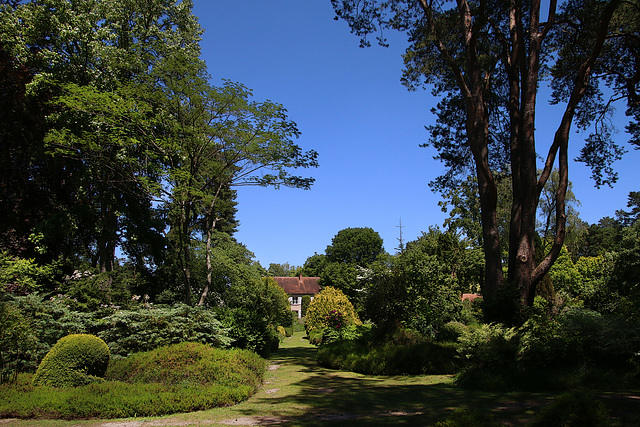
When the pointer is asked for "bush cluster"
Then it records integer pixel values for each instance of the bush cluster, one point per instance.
(406, 353)
(579, 347)
(180, 378)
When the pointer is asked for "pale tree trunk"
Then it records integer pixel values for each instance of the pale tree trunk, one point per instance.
(211, 221)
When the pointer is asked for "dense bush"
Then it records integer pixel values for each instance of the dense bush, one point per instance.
(22, 276)
(578, 347)
(468, 418)
(180, 378)
(406, 353)
(451, 331)
(190, 363)
(17, 341)
(75, 360)
(132, 331)
(329, 300)
(573, 410)
(250, 330)
(124, 331)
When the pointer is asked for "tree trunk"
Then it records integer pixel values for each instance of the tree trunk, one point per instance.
(211, 220)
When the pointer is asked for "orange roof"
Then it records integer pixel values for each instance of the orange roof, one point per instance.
(299, 285)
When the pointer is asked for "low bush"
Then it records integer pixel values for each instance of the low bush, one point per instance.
(451, 331)
(573, 410)
(191, 363)
(577, 348)
(468, 418)
(418, 357)
(144, 329)
(75, 360)
(180, 378)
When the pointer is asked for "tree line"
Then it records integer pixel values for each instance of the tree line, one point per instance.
(115, 141)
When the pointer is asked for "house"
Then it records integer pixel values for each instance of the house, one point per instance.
(470, 297)
(296, 288)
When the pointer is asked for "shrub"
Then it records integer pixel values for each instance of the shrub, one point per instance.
(407, 353)
(17, 341)
(306, 300)
(75, 360)
(468, 418)
(180, 378)
(578, 348)
(573, 410)
(251, 331)
(327, 300)
(190, 363)
(144, 329)
(451, 331)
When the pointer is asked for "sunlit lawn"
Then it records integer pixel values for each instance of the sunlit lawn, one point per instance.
(296, 391)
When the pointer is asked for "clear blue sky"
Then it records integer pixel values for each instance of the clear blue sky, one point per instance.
(350, 107)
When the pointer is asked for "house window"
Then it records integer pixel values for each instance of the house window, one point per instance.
(296, 300)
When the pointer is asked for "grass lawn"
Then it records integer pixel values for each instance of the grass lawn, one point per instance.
(296, 391)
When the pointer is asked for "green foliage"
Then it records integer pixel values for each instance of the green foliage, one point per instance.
(427, 270)
(17, 340)
(133, 331)
(573, 410)
(359, 246)
(90, 290)
(249, 330)
(468, 418)
(314, 265)
(451, 331)
(327, 300)
(22, 276)
(342, 276)
(399, 356)
(192, 363)
(306, 300)
(75, 360)
(579, 347)
(565, 276)
(176, 379)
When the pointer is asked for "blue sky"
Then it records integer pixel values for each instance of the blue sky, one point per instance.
(350, 107)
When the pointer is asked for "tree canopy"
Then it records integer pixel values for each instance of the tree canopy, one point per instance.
(115, 136)
(485, 60)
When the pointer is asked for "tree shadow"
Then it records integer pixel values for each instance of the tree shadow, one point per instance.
(349, 399)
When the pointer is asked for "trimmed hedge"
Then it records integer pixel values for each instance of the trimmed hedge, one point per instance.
(75, 360)
(179, 378)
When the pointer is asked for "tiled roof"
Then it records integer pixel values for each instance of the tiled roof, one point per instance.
(299, 285)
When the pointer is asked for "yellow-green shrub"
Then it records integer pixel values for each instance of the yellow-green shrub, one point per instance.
(75, 360)
(329, 299)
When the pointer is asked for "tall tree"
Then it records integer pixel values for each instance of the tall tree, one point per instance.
(486, 59)
(360, 246)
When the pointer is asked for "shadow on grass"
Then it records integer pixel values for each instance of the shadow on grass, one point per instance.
(339, 398)
(351, 399)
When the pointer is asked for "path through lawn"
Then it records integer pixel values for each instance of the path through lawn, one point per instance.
(297, 391)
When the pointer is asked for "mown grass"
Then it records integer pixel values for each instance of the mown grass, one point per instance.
(298, 392)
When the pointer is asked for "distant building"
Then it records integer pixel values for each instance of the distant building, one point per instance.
(470, 297)
(296, 288)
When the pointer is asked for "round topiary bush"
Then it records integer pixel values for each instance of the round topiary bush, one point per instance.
(326, 306)
(75, 360)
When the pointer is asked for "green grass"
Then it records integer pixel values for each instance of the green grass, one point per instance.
(297, 390)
